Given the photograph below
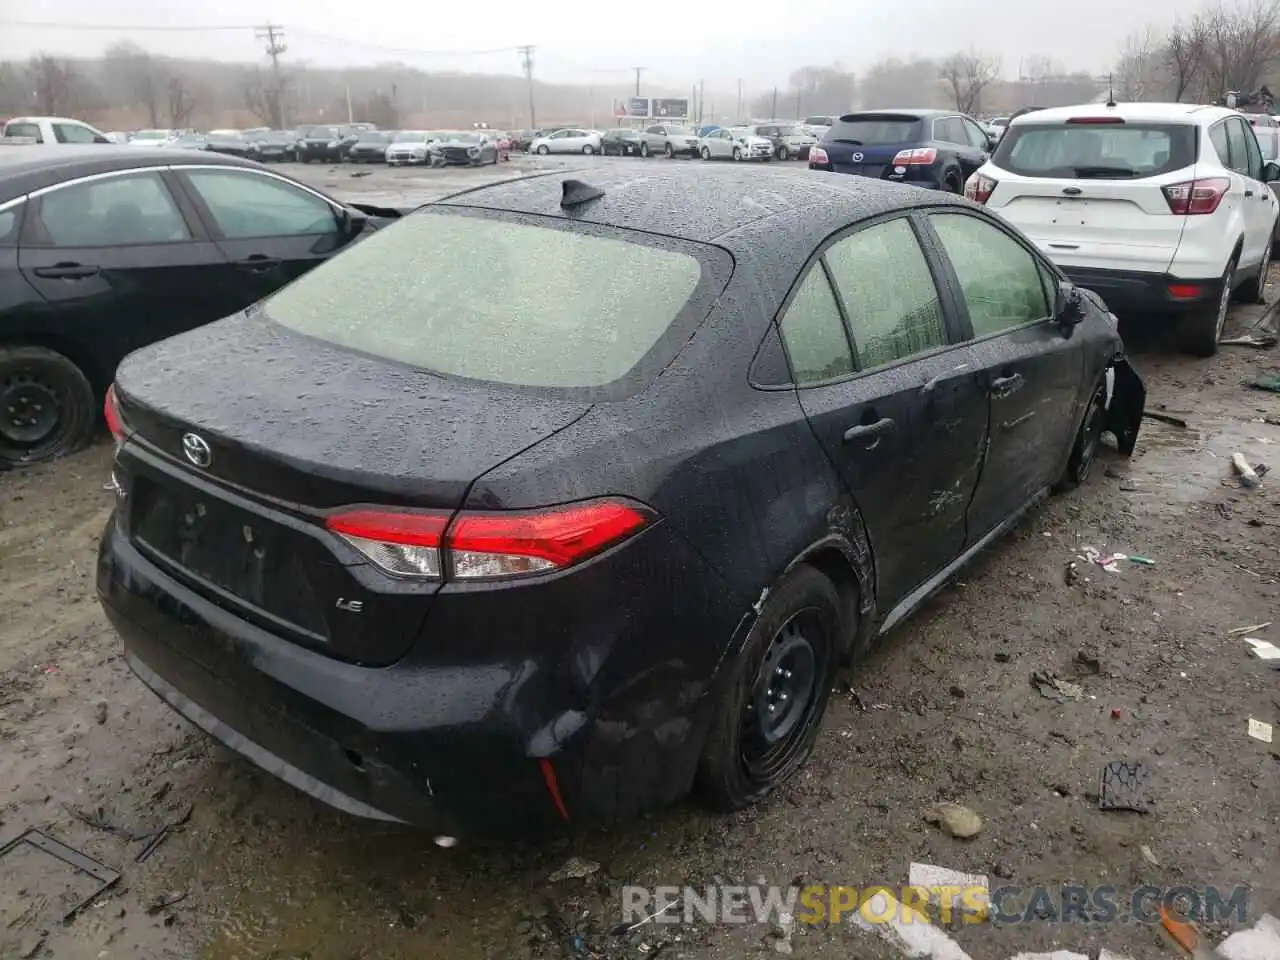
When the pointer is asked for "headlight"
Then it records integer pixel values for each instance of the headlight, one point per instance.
(472, 151)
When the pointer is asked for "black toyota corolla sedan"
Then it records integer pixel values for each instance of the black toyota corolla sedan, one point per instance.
(106, 250)
(556, 499)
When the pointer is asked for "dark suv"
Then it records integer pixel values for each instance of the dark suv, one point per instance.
(319, 143)
(936, 149)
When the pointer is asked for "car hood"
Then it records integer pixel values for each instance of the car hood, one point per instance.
(407, 144)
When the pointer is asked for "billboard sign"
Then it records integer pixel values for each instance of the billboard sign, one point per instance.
(635, 108)
(670, 109)
(645, 108)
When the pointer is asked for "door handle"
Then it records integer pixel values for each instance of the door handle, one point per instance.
(1003, 386)
(865, 430)
(67, 271)
(258, 263)
(1248, 193)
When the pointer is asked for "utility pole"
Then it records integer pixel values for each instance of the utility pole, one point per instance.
(702, 99)
(350, 113)
(773, 111)
(638, 71)
(526, 59)
(797, 104)
(738, 118)
(274, 35)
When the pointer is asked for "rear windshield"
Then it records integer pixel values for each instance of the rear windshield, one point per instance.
(1096, 151)
(494, 300)
(867, 131)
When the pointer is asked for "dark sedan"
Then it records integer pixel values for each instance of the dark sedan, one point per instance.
(623, 143)
(319, 143)
(925, 148)
(370, 146)
(556, 499)
(105, 250)
(469, 149)
(273, 146)
(229, 144)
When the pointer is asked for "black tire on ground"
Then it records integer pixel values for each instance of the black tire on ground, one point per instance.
(1259, 288)
(954, 184)
(796, 635)
(668, 151)
(644, 149)
(588, 149)
(543, 150)
(1084, 450)
(1201, 329)
(737, 153)
(784, 153)
(47, 407)
(706, 153)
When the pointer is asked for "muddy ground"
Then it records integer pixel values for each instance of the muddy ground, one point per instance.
(946, 710)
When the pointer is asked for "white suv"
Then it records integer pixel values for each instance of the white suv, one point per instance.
(1158, 207)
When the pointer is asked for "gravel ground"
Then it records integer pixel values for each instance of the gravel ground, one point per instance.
(945, 710)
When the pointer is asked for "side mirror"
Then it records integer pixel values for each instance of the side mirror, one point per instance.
(351, 223)
(1068, 307)
(1270, 171)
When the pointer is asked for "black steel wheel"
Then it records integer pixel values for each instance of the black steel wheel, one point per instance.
(769, 715)
(47, 407)
(1088, 438)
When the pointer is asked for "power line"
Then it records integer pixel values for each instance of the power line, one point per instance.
(119, 28)
(411, 51)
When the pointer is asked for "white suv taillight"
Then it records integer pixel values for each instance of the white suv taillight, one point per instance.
(1196, 196)
(488, 545)
(978, 188)
(818, 155)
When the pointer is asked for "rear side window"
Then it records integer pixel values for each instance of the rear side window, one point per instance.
(814, 333)
(115, 211)
(495, 300)
(8, 226)
(24, 130)
(888, 293)
(1096, 151)
(867, 130)
(1002, 283)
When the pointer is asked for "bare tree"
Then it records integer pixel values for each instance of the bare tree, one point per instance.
(182, 102)
(1240, 46)
(1184, 55)
(138, 76)
(53, 83)
(966, 76)
(1140, 73)
(261, 97)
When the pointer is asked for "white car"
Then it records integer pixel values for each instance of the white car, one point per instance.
(408, 147)
(1158, 207)
(996, 128)
(818, 126)
(734, 144)
(567, 141)
(151, 138)
(51, 130)
(789, 140)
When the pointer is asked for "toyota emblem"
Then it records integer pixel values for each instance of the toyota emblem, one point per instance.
(196, 449)
(857, 158)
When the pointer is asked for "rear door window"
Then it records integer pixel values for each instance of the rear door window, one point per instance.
(949, 130)
(1099, 151)
(867, 130)
(500, 300)
(113, 211)
(888, 293)
(1218, 137)
(24, 130)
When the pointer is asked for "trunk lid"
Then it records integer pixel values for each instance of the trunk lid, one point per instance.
(295, 428)
(866, 143)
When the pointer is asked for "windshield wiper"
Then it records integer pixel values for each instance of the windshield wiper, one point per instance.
(1087, 173)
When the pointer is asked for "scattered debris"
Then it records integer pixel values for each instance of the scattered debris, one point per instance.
(575, 868)
(1055, 688)
(1123, 787)
(1150, 857)
(1106, 561)
(1002, 657)
(954, 820)
(1262, 649)
(1263, 341)
(1088, 661)
(1184, 934)
(161, 835)
(100, 712)
(106, 877)
(1236, 631)
(1265, 381)
(1248, 476)
(934, 878)
(622, 929)
(362, 173)
(1164, 418)
(1259, 730)
(1145, 561)
(781, 931)
(446, 842)
(164, 901)
(1070, 575)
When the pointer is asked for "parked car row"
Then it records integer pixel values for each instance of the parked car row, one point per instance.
(767, 141)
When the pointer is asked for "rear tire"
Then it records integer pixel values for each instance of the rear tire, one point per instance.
(543, 150)
(1085, 448)
(47, 407)
(668, 152)
(953, 184)
(1260, 286)
(1201, 330)
(644, 150)
(770, 711)
(587, 149)
(784, 153)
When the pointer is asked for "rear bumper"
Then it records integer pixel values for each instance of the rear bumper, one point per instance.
(617, 697)
(1128, 292)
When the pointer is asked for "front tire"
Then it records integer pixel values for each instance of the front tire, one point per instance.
(784, 153)
(1085, 448)
(644, 150)
(587, 149)
(543, 150)
(47, 407)
(668, 152)
(706, 153)
(770, 712)
(1202, 329)
(737, 153)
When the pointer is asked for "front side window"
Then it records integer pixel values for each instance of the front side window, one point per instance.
(814, 333)
(1253, 156)
(1218, 137)
(250, 205)
(495, 300)
(888, 293)
(114, 211)
(948, 130)
(9, 225)
(1002, 283)
(975, 134)
(1236, 146)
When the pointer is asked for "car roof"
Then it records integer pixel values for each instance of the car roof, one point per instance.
(923, 113)
(27, 168)
(702, 203)
(1156, 112)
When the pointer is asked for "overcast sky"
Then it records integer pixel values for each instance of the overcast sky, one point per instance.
(678, 41)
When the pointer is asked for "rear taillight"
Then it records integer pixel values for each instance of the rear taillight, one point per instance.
(111, 412)
(978, 188)
(818, 155)
(1196, 196)
(488, 545)
(915, 157)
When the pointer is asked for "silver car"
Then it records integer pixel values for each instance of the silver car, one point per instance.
(408, 147)
(670, 140)
(735, 144)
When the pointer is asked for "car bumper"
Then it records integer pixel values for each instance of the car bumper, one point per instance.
(405, 160)
(461, 744)
(1128, 292)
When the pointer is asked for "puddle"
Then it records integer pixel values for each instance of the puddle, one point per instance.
(1172, 465)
